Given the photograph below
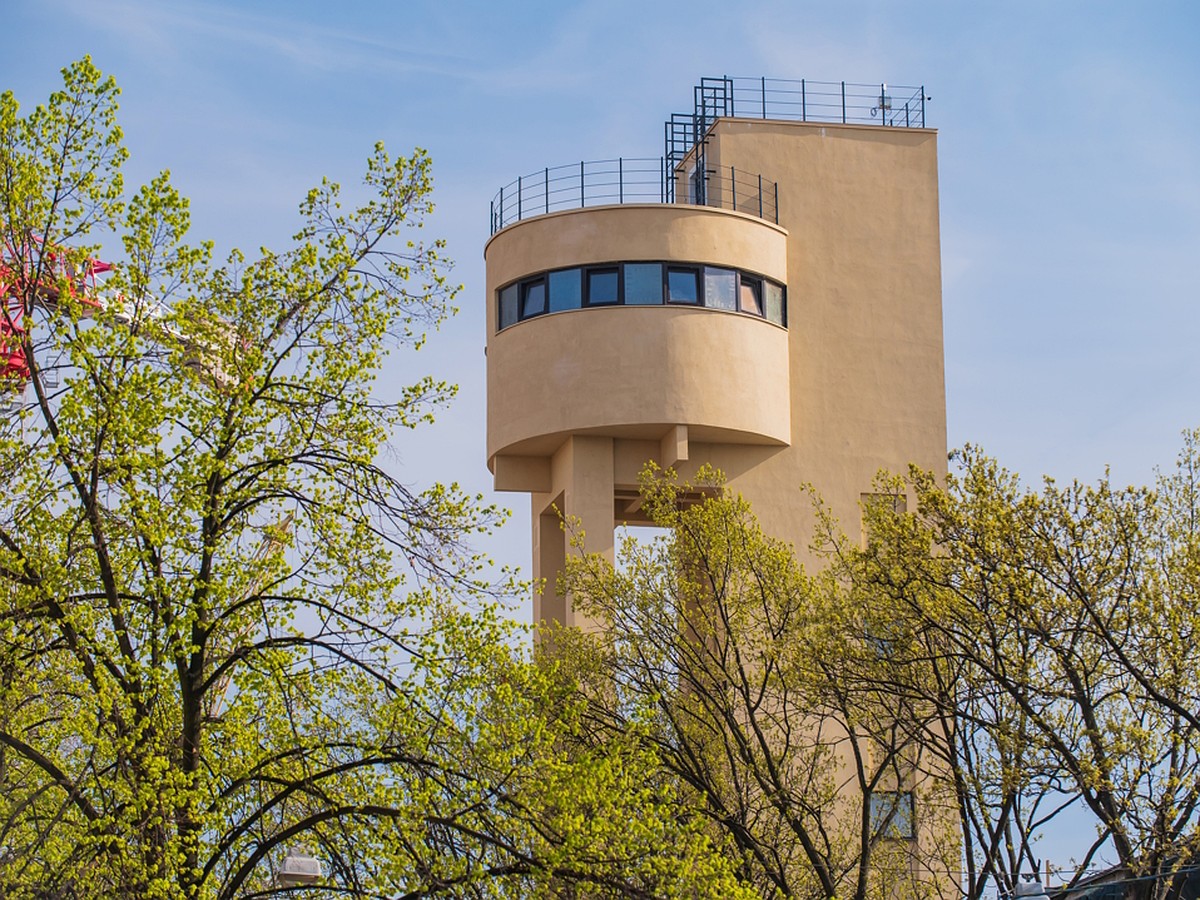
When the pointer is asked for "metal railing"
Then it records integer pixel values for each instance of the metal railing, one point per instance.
(844, 102)
(631, 180)
(837, 102)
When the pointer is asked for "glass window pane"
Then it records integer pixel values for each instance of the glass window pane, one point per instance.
(602, 286)
(720, 288)
(683, 286)
(775, 307)
(750, 296)
(643, 283)
(534, 301)
(566, 290)
(892, 814)
(508, 306)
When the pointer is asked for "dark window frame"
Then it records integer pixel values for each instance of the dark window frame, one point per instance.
(696, 270)
(697, 273)
(758, 283)
(617, 269)
(528, 284)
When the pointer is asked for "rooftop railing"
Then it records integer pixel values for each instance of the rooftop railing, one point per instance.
(682, 174)
(631, 180)
(837, 102)
(845, 102)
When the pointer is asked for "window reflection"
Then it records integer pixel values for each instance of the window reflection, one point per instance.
(533, 298)
(683, 285)
(603, 286)
(750, 296)
(720, 288)
(566, 290)
(642, 284)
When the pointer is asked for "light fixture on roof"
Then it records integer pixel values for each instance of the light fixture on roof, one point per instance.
(1031, 890)
(298, 868)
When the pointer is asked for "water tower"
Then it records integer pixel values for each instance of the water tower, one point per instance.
(765, 297)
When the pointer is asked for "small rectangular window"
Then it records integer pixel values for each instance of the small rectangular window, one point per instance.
(892, 814)
(750, 295)
(533, 298)
(874, 504)
(508, 306)
(566, 290)
(776, 309)
(683, 285)
(720, 288)
(603, 287)
(643, 284)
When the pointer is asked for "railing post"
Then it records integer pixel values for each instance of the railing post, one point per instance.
(733, 187)
(764, 96)
(492, 217)
(546, 186)
(582, 196)
(906, 102)
(777, 203)
(662, 180)
(501, 207)
(803, 103)
(922, 106)
(620, 181)
(520, 191)
(843, 103)
(760, 215)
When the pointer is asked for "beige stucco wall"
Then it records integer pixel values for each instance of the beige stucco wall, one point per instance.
(631, 232)
(636, 370)
(860, 205)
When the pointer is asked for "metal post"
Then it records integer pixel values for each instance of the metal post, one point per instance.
(662, 180)
(729, 110)
(906, 125)
(803, 103)
(520, 191)
(546, 186)
(843, 103)
(492, 216)
(922, 106)
(501, 207)
(764, 96)
(620, 181)
(733, 187)
(582, 198)
(777, 203)
(760, 215)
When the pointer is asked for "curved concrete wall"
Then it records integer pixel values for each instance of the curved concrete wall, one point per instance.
(636, 370)
(633, 232)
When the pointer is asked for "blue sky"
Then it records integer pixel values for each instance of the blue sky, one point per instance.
(1069, 144)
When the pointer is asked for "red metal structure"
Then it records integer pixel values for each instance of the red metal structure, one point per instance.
(30, 276)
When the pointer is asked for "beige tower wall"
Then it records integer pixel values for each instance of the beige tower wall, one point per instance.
(860, 205)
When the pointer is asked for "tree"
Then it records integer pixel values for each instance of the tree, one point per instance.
(765, 692)
(208, 655)
(1076, 608)
(227, 631)
(979, 743)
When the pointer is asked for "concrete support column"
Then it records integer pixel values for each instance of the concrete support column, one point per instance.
(582, 496)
